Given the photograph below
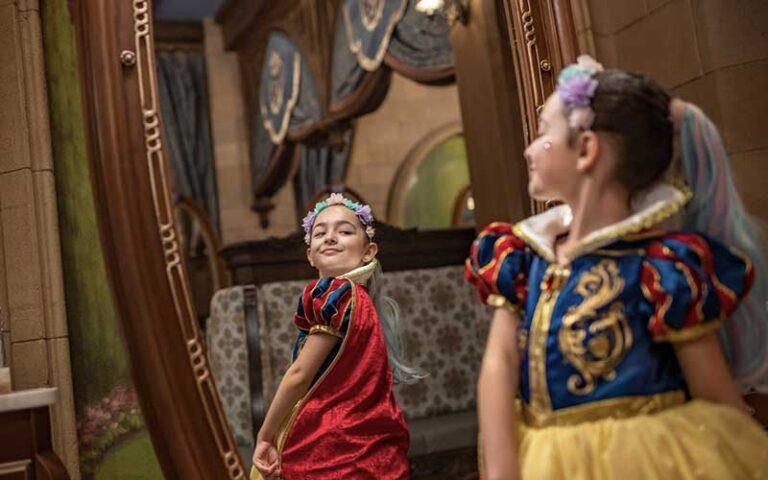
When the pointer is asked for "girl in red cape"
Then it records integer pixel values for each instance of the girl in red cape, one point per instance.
(334, 414)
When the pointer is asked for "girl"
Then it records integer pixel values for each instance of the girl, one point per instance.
(334, 414)
(607, 322)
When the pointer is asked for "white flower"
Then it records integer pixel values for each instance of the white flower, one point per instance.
(581, 118)
(335, 199)
(585, 61)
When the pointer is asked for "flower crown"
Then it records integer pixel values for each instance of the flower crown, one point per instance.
(576, 86)
(363, 213)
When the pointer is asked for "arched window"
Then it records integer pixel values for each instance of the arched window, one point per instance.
(431, 188)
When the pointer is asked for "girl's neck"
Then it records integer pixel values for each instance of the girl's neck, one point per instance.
(593, 209)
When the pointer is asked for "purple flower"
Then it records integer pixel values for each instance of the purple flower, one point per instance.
(577, 91)
(308, 221)
(365, 214)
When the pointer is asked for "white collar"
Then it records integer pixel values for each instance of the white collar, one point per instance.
(362, 274)
(651, 208)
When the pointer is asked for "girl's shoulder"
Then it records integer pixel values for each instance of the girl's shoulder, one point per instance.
(498, 265)
(694, 280)
(325, 302)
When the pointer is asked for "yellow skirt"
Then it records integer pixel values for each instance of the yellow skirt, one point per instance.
(697, 440)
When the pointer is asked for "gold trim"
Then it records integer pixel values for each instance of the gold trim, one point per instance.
(176, 274)
(492, 263)
(541, 404)
(704, 256)
(698, 296)
(611, 334)
(326, 330)
(362, 274)
(653, 233)
(500, 301)
(647, 219)
(288, 425)
(615, 408)
(371, 24)
(620, 253)
(534, 244)
(277, 136)
(355, 45)
(690, 333)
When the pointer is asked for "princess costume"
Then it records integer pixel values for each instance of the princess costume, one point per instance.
(601, 393)
(348, 425)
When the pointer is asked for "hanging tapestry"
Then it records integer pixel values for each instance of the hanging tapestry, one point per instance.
(280, 82)
(369, 25)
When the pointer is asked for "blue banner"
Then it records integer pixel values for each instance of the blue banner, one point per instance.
(369, 25)
(280, 82)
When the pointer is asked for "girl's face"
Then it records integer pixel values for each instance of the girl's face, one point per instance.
(338, 243)
(552, 172)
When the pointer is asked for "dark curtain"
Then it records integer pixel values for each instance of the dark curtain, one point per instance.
(184, 109)
(319, 167)
(421, 41)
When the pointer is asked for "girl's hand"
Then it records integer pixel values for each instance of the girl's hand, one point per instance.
(266, 460)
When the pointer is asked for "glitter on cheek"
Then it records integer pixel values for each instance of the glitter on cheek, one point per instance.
(547, 145)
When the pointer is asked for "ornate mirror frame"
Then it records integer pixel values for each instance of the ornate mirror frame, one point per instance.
(142, 249)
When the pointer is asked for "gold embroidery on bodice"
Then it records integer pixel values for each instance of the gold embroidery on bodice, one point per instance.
(610, 336)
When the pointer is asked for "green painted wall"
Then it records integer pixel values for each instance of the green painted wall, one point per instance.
(435, 185)
(109, 419)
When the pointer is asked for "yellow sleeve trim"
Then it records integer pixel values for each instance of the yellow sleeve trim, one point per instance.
(326, 330)
(685, 334)
(499, 301)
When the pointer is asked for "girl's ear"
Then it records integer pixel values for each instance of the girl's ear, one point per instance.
(370, 252)
(309, 257)
(588, 143)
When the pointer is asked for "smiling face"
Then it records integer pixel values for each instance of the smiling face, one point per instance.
(338, 243)
(552, 159)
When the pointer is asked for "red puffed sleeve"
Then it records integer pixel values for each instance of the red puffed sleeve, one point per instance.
(693, 283)
(498, 266)
(325, 306)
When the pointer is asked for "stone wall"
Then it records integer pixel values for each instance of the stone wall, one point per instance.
(710, 52)
(33, 316)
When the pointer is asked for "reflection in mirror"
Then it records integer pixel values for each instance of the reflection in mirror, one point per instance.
(265, 117)
(305, 98)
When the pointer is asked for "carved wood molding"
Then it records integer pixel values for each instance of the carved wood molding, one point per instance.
(545, 37)
(283, 259)
(141, 247)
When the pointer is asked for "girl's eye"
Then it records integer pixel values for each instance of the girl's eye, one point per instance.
(346, 232)
(318, 234)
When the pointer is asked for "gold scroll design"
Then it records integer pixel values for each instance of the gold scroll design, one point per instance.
(371, 64)
(277, 100)
(610, 336)
(276, 69)
(530, 68)
(372, 10)
(174, 267)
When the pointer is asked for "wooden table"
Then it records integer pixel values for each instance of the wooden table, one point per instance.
(25, 436)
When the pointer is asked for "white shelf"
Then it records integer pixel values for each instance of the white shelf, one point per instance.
(24, 399)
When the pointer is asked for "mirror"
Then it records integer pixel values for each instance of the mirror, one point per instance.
(208, 143)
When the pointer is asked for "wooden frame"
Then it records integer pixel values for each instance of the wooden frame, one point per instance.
(135, 212)
(141, 248)
(285, 259)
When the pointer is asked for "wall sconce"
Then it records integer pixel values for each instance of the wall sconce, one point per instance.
(452, 10)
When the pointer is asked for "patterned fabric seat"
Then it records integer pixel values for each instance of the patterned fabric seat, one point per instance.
(444, 328)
